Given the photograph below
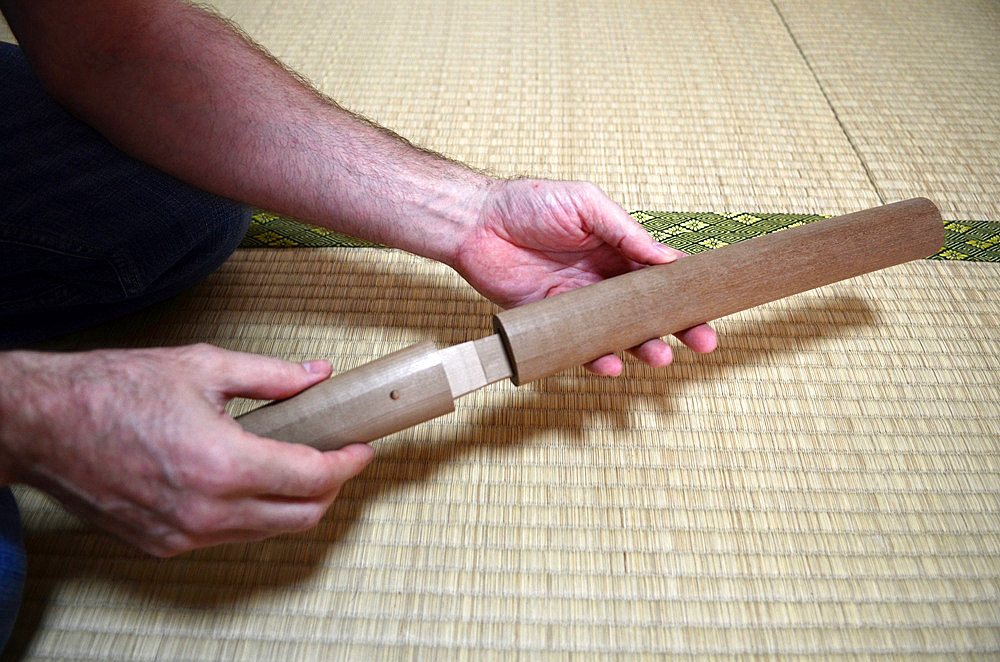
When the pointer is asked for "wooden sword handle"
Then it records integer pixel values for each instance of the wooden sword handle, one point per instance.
(551, 335)
(371, 401)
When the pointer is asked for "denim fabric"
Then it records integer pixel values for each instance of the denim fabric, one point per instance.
(88, 234)
(12, 564)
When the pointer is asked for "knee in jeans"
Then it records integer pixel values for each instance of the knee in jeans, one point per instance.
(225, 225)
(202, 232)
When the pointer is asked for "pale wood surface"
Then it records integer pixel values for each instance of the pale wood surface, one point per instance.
(412, 386)
(474, 364)
(369, 402)
(561, 332)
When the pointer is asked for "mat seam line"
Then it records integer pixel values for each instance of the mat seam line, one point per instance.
(829, 103)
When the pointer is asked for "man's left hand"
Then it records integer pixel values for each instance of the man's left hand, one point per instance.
(536, 238)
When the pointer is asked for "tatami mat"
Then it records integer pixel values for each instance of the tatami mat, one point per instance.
(772, 106)
(917, 88)
(667, 105)
(828, 481)
(690, 232)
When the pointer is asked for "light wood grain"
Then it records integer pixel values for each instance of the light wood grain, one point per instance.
(392, 393)
(567, 330)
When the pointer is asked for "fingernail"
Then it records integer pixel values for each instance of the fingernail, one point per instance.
(666, 252)
(317, 367)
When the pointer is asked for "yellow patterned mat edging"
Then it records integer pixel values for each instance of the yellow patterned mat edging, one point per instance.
(691, 232)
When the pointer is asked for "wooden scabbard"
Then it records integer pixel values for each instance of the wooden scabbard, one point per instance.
(560, 332)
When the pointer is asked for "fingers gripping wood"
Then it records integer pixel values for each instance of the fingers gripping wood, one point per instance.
(564, 331)
(376, 399)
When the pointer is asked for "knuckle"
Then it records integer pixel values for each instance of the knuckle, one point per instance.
(306, 472)
(204, 348)
(320, 482)
(308, 517)
(158, 551)
(586, 191)
(197, 517)
(213, 472)
(165, 552)
(203, 355)
(167, 547)
(311, 487)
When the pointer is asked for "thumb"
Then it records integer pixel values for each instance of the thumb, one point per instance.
(352, 459)
(616, 227)
(254, 376)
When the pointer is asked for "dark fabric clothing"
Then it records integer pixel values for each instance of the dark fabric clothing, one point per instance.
(87, 234)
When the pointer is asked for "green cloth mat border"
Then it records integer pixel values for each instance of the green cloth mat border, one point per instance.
(691, 232)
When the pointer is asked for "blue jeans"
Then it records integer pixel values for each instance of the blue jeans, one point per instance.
(87, 234)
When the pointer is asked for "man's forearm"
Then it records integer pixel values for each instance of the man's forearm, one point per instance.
(180, 89)
(11, 372)
(29, 393)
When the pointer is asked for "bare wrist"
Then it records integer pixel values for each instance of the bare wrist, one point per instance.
(453, 210)
(383, 188)
(14, 382)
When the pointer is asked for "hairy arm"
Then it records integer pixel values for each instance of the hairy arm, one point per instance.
(184, 91)
(139, 443)
(179, 88)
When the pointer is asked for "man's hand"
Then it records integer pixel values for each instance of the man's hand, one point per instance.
(138, 442)
(181, 90)
(536, 238)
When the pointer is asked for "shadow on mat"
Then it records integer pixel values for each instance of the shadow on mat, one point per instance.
(778, 333)
(233, 305)
(234, 574)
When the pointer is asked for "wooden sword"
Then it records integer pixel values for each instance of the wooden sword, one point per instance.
(421, 382)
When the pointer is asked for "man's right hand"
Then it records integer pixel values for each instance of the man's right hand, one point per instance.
(138, 442)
